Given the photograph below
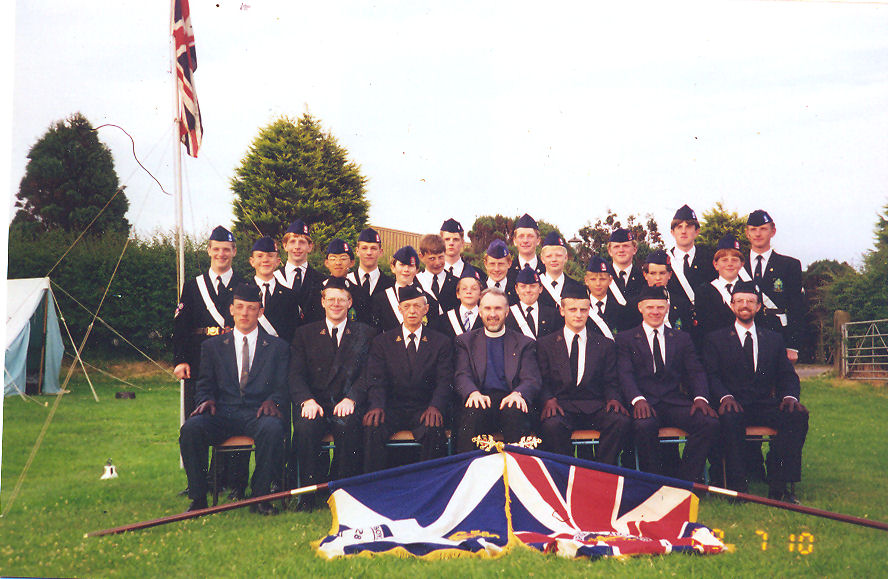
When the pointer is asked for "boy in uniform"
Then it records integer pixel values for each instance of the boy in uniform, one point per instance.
(367, 275)
(528, 316)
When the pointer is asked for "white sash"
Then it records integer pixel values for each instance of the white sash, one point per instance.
(766, 301)
(266, 325)
(427, 287)
(723, 292)
(678, 272)
(392, 296)
(548, 288)
(522, 321)
(208, 301)
(455, 323)
(279, 275)
(618, 295)
(602, 325)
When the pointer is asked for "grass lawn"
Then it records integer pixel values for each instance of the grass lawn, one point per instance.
(845, 463)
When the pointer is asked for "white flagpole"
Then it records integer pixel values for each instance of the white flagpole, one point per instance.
(180, 241)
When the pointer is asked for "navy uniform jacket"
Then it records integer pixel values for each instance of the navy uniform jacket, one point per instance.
(729, 373)
(702, 272)
(548, 320)
(633, 285)
(618, 317)
(281, 310)
(546, 298)
(309, 295)
(446, 297)
(512, 277)
(597, 385)
(521, 366)
(712, 311)
(782, 282)
(220, 377)
(385, 317)
(682, 371)
(363, 309)
(328, 375)
(391, 383)
(192, 313)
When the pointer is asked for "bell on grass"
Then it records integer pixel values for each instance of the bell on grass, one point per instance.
(110, 471)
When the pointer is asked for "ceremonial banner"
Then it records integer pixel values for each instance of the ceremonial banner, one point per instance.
(479, 504)
(190, 126)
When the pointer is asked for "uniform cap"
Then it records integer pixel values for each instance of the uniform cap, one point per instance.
(337, 246)
(598, 265)
(621, 235)
(553, 239)
(685, 213)
(528, 275)
(265, 244)
(452, 226)
(759, 217)
(407, 255)
(221, 234)
(299, 227)
(369, 236)
(526, 221)
(497, 249)
(248, 292)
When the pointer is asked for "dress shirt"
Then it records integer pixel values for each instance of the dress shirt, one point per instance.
(239, 346)
(581, 359)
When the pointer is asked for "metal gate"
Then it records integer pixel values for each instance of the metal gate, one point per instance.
(865, 350)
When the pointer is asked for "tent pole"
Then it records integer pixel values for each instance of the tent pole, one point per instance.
(76, 352)
(42, 346)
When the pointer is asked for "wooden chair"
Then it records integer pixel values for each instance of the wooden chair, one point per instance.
(762, 434)
(232, 444)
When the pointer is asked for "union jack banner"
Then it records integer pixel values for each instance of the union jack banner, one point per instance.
(479, 504)
(190, 126)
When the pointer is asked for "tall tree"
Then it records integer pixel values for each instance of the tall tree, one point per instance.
(295, 169)
(717, 222)
(70, 177)
(595, 237)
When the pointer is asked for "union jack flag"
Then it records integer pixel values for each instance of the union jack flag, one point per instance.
(479, 504)
(190, 126)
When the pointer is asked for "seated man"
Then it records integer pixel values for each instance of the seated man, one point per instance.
(528, 316)
(655, 364)
(580, 388)
(326, 360)
(756, 385)
(408, 382)
(496, 375)
(464, 317)
(240, 390)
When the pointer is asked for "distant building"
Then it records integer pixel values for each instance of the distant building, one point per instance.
(394, 239)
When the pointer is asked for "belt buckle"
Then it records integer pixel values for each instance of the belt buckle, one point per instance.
(214, 331)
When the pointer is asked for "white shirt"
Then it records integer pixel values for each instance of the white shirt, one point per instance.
(290, 269)
(502, 283)
(721, 284)
(628, 271)
(679, 256)
(741, 333)
(473, 315)
(340, 326)
(532, 263)
(553, 286)
(581, 343)
(752, 260)
(226, 278)
(594, 303)
(456, 267)
(426, 279)
(239, 346)
(272, 283)
(374, 277)
(406, 333)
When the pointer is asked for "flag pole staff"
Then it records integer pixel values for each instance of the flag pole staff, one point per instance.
(209, 510)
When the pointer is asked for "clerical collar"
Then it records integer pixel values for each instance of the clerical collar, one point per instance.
(490, 334)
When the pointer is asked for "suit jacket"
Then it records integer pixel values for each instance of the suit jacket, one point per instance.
(702, 271)
(219, 378)
(385, 318)
(309, 296)
(619, 318)
(729, 373)
(363, 308)
(782, 282)
(597, 385)
(682, 371)
(712, 311)
(633, 285)
(391, 382)
(548, 320)
(446, 297)
(282, 310)
(192, 313)
(546, 298)
(521, 366)
(328, 374)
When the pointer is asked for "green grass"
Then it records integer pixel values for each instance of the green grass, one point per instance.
(846, 459)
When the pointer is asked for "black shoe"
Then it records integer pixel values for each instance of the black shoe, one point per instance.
(196, 505)
(306, 504)
(183, 493)
(791, 499)
(266, 509)
(236, 495)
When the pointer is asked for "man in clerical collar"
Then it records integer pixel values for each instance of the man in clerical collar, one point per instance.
(621, 247)
(496, 375)
(368, 276)
(779, 277)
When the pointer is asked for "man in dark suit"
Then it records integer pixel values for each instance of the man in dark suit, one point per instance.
(580, 387)
(368, 276)
(408, 382)
(464, 317)
(326, 361)
(691, 265)
(755, 384)
(496, 376)
(622, 247)
(779, 278)
(240, 391)
(553, 280)
(528, 316)
(607, 301)
(655, 364)
(298, 275)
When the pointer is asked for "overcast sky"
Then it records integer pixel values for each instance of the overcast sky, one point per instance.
(469, 108)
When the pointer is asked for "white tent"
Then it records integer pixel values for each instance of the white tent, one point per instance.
(31, 325)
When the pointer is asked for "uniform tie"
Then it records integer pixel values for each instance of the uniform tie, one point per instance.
(687, 266)
(529, 316)
(575, 358)
(333, 337)
(728, 287)
(365, 285)
(623, 280)
(245, 365)
(265, 292)
(297, 280)
(600, 305)
(220, 287)
(436, 288)
(658, 355)
(466, 317)
(748, 352)
(411, 349)
(496, 284)
(758, 269)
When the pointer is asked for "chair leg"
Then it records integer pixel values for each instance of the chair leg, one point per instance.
(215, 469)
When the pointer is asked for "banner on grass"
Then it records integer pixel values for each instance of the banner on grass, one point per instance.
(479, 504)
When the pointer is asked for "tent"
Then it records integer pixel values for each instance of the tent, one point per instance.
(33, 338)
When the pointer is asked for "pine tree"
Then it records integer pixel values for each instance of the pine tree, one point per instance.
(294, 169)
(717, 222)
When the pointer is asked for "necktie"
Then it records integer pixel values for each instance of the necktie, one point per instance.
(554, 284)
(575, 358)
(436, 289)
(600, 310)
(365, 285)
(758, 268)
(658, 355)
(748, 352)
(451, 270)
(245, 365)
(333, 337)
(528, 314)
(411, 349)
(623, 280)
(466, 321)
(297, 280)
(687, 266)
(220, 287)
(265, 292)
(496, 284)
(728, 287)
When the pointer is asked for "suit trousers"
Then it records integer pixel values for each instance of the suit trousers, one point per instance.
(702, 432)
(432, 439)
(614, 427)
(785, 455)
(307, 435)
(474, 421)
(204, 430)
